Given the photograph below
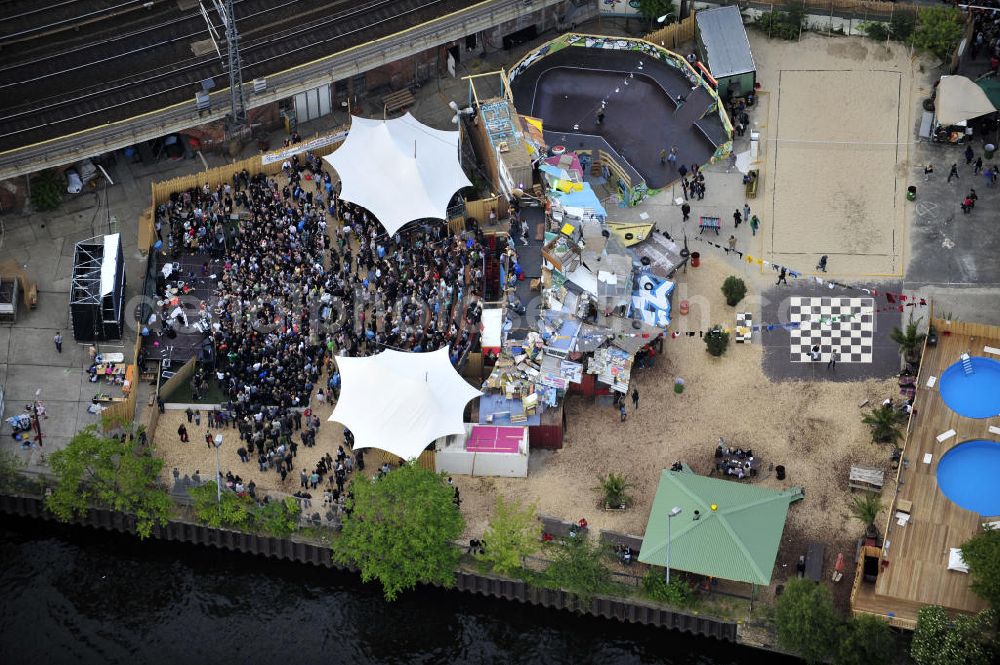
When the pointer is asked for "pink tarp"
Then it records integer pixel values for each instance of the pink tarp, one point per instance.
(568, 161)
(486, 439)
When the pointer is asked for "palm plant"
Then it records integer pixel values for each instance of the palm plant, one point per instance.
(909, 340)
(884, 424)
(614, 487)
(865, 508)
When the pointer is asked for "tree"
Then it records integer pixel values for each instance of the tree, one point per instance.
(865, 640)
(677, 592)
(47, 189)
(909, 341)
(807, 623)
(654, 9)
(106, 471)
(734, 289)
(514, 532)
(938, 30)
(614, 489)
(884, 423)
(400, 530)
(982, 554)
(717, 341)
(965, 640)
(580, 567)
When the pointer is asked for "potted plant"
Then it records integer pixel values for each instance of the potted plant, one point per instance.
(884, 424)
(865, 508)
(614, 489)
(909, 341)
(734, 289)
(717, 341)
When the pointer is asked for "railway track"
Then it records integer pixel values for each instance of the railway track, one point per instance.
(270, 46)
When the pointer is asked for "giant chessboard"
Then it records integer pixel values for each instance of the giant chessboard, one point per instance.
(845, 326)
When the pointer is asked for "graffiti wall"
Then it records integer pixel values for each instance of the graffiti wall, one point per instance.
(627, 8)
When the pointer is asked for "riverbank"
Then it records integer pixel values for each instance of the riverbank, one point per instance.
(301, 550)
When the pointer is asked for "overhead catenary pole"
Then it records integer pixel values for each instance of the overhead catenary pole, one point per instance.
(237, 99)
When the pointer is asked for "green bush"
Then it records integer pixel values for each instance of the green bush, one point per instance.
(279, 518)
(580, 567)
(782, 25)
(875, 30)
(865, 640)
(47, 189)
(717, 341)
(735, 289)
(938, 30)
(231, 511)
(902, 24)
(677, 594)
(982, 555)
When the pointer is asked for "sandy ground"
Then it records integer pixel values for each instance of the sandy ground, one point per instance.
(814, 429)
(835, 122)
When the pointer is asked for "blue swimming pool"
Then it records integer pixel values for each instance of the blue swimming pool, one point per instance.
(975, 395)
(967, 475)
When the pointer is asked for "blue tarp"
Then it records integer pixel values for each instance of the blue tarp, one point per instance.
(492, 403)
(585, 198)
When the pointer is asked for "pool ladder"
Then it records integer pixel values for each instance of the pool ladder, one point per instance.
(966, 364)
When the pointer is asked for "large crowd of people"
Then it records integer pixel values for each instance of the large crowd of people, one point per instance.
(301, 276)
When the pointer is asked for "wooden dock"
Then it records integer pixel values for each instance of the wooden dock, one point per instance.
(913, 568)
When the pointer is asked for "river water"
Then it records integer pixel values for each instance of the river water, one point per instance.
(71, 595)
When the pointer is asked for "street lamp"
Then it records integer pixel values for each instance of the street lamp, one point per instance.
(672, 514)
(218, 471)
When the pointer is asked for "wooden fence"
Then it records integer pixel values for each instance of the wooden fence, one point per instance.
(178, 379)
(122, 411)
(161, 191)
(480, 209)
(674, 34)
(981, 330)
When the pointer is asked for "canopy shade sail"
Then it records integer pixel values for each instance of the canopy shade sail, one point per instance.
(724, 529)
(960, 99)
(399, 169)
(401, 402)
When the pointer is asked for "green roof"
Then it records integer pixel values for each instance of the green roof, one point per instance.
(736, 541)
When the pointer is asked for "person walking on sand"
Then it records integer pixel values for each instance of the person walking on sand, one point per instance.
(182, 432)
(686, 211)
(737, 218)
(746, 212)
(928, 171)
(635, 399)
(754, 224)
(622, 411)
(969, 154)
(978, 166)
(832, 363)
(953, 173)
(732, 243)
(782, 277)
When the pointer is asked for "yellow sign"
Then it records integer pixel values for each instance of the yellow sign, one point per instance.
(567, 229)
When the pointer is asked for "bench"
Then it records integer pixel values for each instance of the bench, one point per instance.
(751, 187)
(868, 478)
(814, 561)
(398, 101)
(713, 223)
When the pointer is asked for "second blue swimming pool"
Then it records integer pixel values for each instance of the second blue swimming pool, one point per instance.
(967, 475)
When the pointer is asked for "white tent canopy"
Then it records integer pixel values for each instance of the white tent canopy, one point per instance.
(399, 169)
(960, 99)
(401, 402)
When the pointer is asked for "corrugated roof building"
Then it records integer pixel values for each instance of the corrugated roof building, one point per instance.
(724, 48)
(725, 529)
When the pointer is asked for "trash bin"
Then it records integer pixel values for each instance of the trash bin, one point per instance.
(678, 385)
(695, 259)
(779, 472)
(911, 193)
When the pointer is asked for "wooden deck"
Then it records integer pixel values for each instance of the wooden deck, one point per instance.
(914, 566)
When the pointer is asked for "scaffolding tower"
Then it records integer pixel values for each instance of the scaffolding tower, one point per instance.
(97, 291)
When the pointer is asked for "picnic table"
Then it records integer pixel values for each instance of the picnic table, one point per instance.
(814, 561)
(869, 478)
(713, 223)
